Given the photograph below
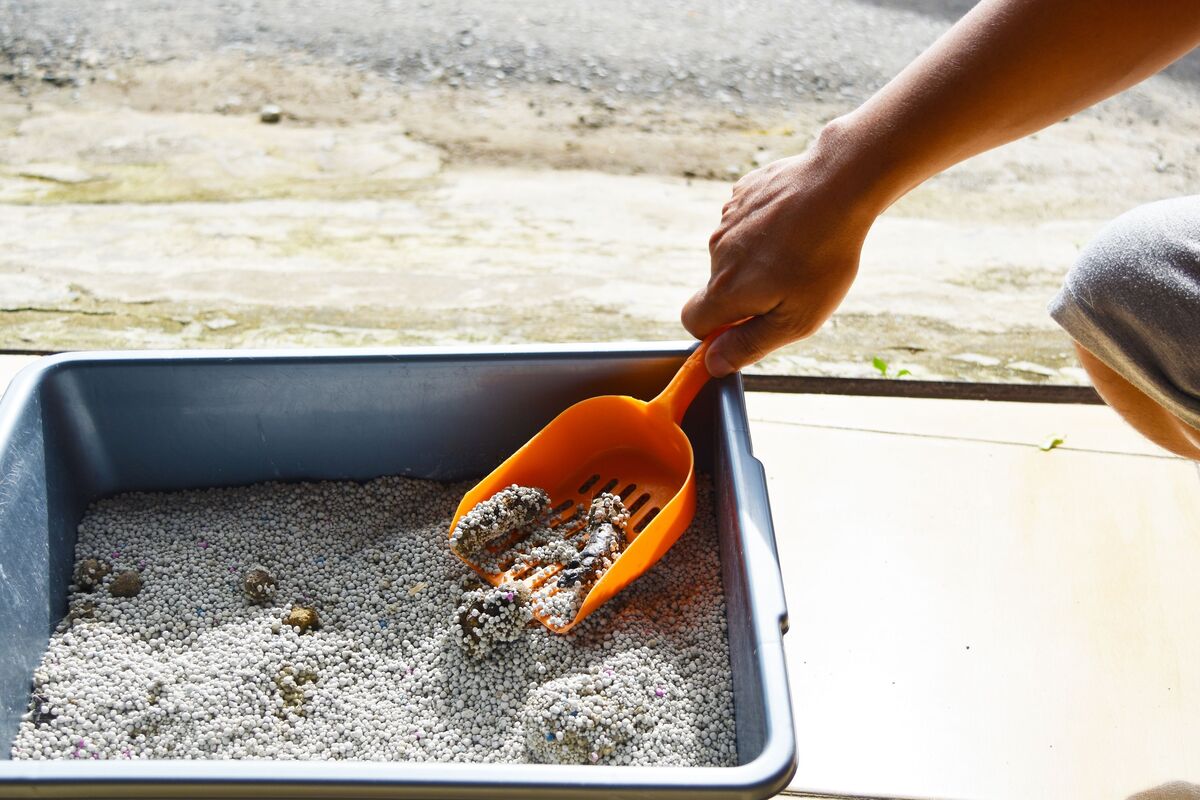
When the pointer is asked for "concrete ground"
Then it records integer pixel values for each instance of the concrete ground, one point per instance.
(1002, 622)
(974, 617)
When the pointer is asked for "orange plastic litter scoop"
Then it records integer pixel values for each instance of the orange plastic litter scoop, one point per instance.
(614, 444)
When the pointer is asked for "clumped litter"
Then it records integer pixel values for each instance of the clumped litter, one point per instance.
(517, 508)
(557, 557)
(259, 585)
(358, 651)
(490, 615)
(302, 618)
(90, 573)
(126, 584)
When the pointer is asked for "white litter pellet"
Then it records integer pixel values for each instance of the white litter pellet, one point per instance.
(190, 667)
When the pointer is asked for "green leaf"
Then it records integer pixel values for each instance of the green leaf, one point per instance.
(880, 365)
(902, 373)
(1052, 441)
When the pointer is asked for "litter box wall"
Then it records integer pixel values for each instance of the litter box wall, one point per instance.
(77, 427)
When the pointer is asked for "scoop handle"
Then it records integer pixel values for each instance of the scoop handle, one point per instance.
(688, 381)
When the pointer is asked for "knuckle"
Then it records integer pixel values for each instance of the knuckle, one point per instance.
(728, 249)
(747, 179)
(720, 282)
(690, 315)
(715, 240)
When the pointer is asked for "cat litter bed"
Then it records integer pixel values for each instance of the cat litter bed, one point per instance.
(324, 621)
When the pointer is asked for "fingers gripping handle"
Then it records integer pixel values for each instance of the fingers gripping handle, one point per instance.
(688, 381)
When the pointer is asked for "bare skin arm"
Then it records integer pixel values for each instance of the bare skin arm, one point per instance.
(788, 245)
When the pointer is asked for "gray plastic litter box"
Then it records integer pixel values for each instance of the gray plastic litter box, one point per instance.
(77, 427)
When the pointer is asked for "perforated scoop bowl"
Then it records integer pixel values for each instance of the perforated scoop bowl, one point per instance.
(617, 444)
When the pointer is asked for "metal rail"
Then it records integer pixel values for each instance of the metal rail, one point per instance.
(941, 390)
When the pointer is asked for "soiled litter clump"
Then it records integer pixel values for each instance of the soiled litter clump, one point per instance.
(589, 553)
(302, 618)
(126, 584)
(513, 509)
(90, 573)
(602, 715)
(259, 585)
(190, 668)
(604, 539)
(514, 528)
(490, 615)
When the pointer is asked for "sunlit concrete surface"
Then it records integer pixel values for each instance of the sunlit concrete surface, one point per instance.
(974, 617)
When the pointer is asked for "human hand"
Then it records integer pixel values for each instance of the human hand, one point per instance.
(783, 257)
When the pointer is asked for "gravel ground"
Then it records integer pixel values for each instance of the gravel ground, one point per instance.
(351, 655)
(734, 54)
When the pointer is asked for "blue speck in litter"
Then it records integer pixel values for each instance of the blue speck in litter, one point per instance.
(549, 736)
(199, 611)
(320, 559)
(383, 623)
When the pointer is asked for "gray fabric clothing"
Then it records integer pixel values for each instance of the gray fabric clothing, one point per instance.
(1133, 300)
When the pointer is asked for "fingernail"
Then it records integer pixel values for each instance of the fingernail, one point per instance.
(718, 365)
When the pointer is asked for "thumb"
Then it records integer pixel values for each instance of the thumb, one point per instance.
(745, 344)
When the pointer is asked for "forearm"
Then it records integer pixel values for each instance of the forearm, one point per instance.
(1007, 69)
(788, 246)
